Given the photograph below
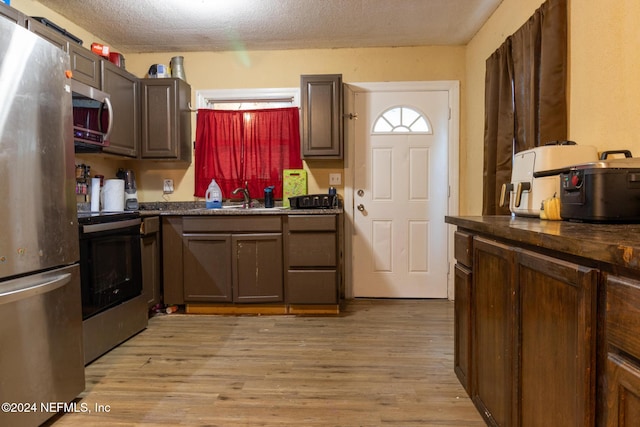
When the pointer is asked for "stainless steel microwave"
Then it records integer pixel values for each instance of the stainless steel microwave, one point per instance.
(92, 117)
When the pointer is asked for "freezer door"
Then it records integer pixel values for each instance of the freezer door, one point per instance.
(41, 334)
(38, 221)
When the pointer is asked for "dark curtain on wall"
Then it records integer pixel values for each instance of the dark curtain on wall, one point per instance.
(531, 68)
(251, 145)
(498, 127)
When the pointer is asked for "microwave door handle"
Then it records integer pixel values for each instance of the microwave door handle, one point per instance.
(110, 108)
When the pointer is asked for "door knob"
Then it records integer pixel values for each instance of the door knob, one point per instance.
(360, 193)
(361, 207)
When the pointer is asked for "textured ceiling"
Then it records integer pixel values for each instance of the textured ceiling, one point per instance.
(222, 25)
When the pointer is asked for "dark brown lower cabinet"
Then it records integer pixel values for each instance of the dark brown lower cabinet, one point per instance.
(311, 259)
(623, 394)
(233, 268)
(462, 326)
(622, 385)
(151, 266)
(533, 337)
(493, 308)
(555, 342)
(229, 259)
(257, 267)
(207, 268)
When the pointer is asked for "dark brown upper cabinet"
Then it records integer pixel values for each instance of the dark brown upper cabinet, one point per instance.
(322, 130)
(11, 14)
(123, 88)
(166, 119)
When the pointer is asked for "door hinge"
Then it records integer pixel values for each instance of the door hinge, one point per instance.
(449, 113)
(449, 191)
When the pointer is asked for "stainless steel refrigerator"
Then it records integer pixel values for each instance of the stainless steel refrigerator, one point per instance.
(41, 356)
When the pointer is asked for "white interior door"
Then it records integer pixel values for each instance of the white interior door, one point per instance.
(400, 194)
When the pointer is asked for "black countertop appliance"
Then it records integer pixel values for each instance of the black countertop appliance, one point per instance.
(602, 191)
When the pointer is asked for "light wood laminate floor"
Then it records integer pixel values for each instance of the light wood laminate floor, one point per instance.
(378, 363)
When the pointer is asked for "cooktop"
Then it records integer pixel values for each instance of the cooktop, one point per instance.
(105, 216)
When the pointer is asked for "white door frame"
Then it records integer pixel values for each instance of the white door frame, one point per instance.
(453, 150)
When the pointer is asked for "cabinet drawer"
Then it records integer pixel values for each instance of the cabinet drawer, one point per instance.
(312, 287)
(623, 314)
(463, 248)
(312, 249)
(248, 224)
(312, 222)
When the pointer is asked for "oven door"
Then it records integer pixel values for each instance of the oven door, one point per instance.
(110, 264)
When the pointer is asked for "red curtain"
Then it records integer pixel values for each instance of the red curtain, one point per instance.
(251, 145)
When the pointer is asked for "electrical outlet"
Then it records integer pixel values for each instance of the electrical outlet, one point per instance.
(335, 179)
(168, 186)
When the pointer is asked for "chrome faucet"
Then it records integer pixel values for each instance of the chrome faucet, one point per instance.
(245, 193)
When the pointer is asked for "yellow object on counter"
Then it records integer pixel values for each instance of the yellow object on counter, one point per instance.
(294, 183)
(550, 209)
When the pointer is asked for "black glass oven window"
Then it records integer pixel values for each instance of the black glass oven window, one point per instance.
(112, 263)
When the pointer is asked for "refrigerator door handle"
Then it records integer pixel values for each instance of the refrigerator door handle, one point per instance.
(48, 285)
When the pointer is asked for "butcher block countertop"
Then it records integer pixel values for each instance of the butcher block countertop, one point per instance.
(198, 208)
(616, 245)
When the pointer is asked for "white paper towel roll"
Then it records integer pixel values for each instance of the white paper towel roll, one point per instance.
(113, 192)
(95, 194)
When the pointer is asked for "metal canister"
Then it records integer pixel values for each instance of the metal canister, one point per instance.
(177, 67)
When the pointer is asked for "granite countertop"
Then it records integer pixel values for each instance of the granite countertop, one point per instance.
(198, 208)
(616, 244)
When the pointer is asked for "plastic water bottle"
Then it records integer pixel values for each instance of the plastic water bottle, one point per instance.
(213, 196)
(268, 196)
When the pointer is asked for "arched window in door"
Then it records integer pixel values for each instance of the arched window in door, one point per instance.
(402, 119)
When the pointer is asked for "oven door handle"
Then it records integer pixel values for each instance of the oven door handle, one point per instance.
(39, 288)
(108, 226)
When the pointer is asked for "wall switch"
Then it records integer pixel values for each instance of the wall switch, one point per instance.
(335, 179)
(168, 186)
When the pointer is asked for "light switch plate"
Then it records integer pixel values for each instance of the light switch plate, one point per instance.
(168, 186)
(335, 179)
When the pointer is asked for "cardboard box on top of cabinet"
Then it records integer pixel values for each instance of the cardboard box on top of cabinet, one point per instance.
(294, 183)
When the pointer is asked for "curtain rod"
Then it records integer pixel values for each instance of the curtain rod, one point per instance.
(240, 100)
(263, 99)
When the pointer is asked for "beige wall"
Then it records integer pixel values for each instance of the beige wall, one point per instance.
(265, 69)
(604, 82)
(604, 87)
(605, 74)
(509, 16)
